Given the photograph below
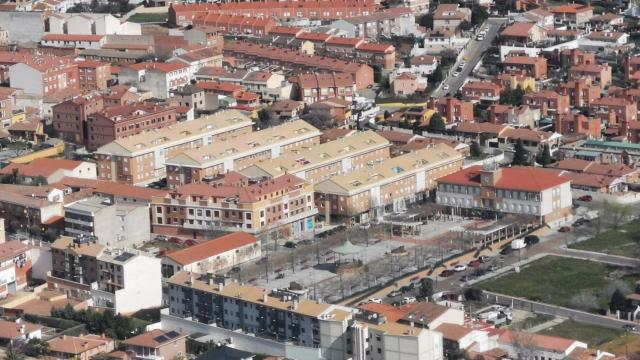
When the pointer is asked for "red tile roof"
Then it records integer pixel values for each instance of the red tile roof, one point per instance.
(41, 167)
(512, 178)
(211, 248)
(71, 37)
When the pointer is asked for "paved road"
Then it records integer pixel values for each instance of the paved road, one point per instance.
(473, 53)
(576, 315)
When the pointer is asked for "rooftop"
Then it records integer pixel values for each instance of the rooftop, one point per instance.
(511, 178)
(211, 248)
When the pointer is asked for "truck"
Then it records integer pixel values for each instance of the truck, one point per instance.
(518, 244)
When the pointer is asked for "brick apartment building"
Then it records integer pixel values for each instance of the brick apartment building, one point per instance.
(535, 67)
(599, 74)
(93, 75)
(125, 120)
(70, 117)
(236, 153)
(581, 92)
(140, 159)
(452, 109)
(234, 202)
(548, 101)
(220, 24)
(567, 124)
(252, 52)
(573, 57)
(183, 14)
(481, 90)
(614, 111)
(314, 87)
(41, 75)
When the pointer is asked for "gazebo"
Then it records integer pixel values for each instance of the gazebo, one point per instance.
(348, 249)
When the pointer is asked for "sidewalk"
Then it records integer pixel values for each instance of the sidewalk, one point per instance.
(545, 325)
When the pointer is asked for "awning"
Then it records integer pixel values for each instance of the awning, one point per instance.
(348, 248)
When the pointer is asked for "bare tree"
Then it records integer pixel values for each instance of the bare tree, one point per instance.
(584, 301)
(523, 344)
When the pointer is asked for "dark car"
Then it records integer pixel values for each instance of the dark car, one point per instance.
(475, 263)
(531, 240)
(585, 198)
(280, 276)
(290, 245)
(447, 273)
(579, 222)
(506, 251)
(565, 229)
(407, 288)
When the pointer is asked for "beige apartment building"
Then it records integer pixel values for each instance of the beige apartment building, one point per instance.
(365, 194)
(140, 159)
(236, 153)
(237, 203)
(326, 160)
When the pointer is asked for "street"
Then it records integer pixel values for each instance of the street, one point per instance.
(473, 53)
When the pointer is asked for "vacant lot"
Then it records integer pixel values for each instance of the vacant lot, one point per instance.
(622, 241)
(567, 282)
(590, 334)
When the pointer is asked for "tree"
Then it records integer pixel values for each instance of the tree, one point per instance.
(479, 15)
(407, 61)
(426, 21)
(12, 353)
(465, 25)
(475, 150)
(618, 302)
(584, 301)
(436, 76)
(521, 155)
(473, 294)
(426, 288)
(36, 347)
(544, 157)
(512, 96)
(436, 124)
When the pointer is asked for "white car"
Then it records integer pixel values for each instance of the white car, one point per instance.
(445, 87)
(460, 267)
(480, 37)
(375, 300)
(408, 300)
(455, 74)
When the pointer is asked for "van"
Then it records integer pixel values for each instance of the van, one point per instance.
(518, 244)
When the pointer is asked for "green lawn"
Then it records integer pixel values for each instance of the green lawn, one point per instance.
(148, 17)
(557, 280)
(617, 242)
(590, 334)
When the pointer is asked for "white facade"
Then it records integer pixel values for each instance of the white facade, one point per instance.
(91, 24)
(137, 279)
(158, 82)
(25, 77)
(84, 44)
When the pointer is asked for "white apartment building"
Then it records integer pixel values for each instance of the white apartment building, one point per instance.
(518, 190)
(158, 78)
(91, 24)
(128, 281)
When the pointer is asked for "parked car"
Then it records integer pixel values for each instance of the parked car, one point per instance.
(531, 240)
(506, 251)
(375, 300)
(445, 87)
(160, 238)
(408, 300)
(565, 229)
(579, 222)
(475, 263)
(459, 268)
(175, 240)
(483, 259)
(280, 276)
(585, 198)
(455, 74)
(447, 273)
(630, 328)
(465, 278)
(290, 245)
(394, 293)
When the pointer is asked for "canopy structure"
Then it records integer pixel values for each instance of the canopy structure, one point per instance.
(348, 248)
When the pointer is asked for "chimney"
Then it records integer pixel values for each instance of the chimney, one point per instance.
(22, 329)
